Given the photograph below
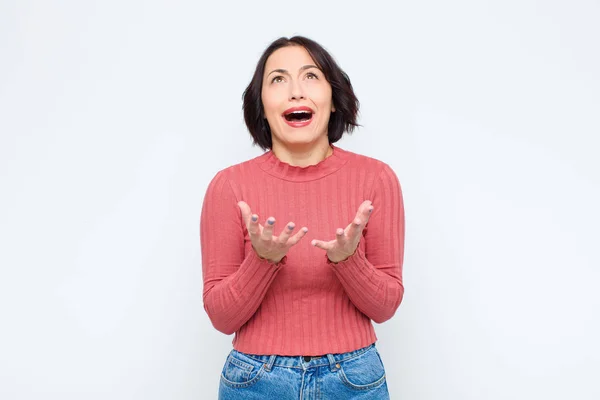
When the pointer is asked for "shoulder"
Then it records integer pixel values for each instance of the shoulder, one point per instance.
(370, 165)
(242, 169)
(230, 178)
(376, 174)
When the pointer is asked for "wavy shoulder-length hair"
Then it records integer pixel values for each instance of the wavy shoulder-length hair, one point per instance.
(344, 100)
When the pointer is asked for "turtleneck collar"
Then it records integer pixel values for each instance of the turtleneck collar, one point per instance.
(269, 163)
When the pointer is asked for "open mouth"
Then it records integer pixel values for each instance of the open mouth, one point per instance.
(298, 116)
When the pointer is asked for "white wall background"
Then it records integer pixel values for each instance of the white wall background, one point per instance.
(115, 115)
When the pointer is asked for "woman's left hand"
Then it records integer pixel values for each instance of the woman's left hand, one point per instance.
(346, 240)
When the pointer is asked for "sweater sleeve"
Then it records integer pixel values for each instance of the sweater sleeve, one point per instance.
(234, 284)
(373, 279)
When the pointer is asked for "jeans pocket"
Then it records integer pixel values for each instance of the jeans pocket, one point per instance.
(363, 372)
(240, 371)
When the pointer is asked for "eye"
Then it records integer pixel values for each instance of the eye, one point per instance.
(276, 79)
(312, 74)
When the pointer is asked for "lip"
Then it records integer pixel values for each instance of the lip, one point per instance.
(298, 124)
(301, 108)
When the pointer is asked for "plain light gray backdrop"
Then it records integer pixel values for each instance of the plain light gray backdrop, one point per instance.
(115, 115)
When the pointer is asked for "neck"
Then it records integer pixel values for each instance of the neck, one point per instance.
(302, 155)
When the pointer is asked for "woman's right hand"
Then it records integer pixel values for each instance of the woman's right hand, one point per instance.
(267, 246)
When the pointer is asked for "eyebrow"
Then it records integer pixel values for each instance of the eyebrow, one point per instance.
(284, 71)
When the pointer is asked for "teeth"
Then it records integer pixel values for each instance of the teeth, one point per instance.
(300, 112)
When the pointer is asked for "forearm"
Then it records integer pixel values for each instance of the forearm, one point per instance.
(375, 293)
(230, 302)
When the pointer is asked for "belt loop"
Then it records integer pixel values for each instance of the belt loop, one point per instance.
(332, 363)
(269, 364)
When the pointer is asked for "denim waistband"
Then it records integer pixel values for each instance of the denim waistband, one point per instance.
(298, 361)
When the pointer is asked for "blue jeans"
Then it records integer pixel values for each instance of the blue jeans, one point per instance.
(358, 374)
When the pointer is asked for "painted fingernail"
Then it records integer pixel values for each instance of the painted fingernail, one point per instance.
(271, 221)
(370, 209)
(290, 227)
(254, 218)
(305, 229)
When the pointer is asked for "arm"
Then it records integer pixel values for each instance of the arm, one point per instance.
(234, 285)
(373, 279)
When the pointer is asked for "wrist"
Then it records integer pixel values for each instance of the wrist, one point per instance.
(270, 260)
(335, 260)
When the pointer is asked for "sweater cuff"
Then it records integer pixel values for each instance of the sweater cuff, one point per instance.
(264, 261)
(255, 271)
(358, 258)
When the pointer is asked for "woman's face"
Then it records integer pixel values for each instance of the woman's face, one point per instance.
(296, 97)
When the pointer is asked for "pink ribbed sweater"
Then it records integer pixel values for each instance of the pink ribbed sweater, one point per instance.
(304, 305)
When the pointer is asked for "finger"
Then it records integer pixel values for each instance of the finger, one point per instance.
(250, 220)
(367, 213)
(254, 228)
(340, 237)
(246, 212)
(267, 232)
(323, 245)
(354, 229)
(360, 220)
(364, 211)
(285, 235)
(296, 238)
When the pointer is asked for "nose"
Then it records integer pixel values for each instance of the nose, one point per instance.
(296, 91)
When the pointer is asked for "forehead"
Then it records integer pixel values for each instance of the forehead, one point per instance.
(290, 58)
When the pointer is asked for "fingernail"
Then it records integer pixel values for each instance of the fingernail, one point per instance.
(254, 218)
(370, 209)
(305, 230)
(271, 222)
(290, 227)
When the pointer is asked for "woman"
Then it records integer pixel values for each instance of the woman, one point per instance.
(301, 303)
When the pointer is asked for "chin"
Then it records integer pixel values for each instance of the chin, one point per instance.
(299, 138)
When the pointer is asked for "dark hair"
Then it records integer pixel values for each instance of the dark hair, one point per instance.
(344, 100)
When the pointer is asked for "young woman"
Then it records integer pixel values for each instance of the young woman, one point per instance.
(301, 302)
